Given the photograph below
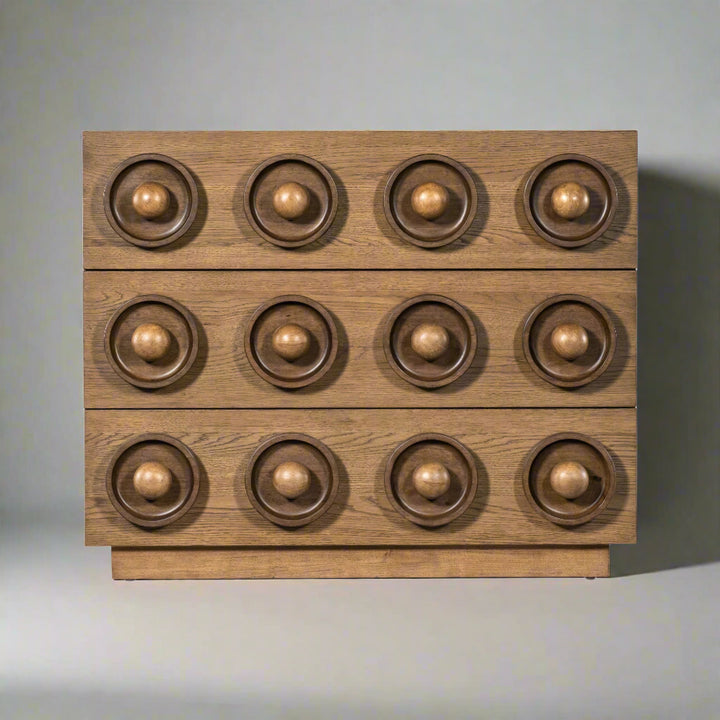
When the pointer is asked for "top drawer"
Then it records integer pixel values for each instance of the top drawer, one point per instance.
(359, 200)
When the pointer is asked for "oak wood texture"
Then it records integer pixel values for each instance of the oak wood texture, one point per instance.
(570, 200)
(290, 200)
(299, 456)
(360, 303)
(361, 163)
(380, 562)
(569, 340)
(431, 479)
(569, 479)
(291, 479)
(281, 355)
(430, 200)
(362, 442)
(152, 480)
(127, 473)
(430, 340)
(574, 449)
(150, 200)
(151, 341)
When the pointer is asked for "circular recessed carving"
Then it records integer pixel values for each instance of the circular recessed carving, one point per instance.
(569, 478)
(431, 479)
(151, 341)
(430, 200)
(291, 200)
(291, 341)
(292, 479)
(151, 200)
(430, 340)
(569, 340)
(570, 200)
(153, 480)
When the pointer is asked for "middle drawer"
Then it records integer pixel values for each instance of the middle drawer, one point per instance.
(237, 339)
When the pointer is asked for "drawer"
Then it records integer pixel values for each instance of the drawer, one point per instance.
(499, 341)
(365, 200)
(496, 460)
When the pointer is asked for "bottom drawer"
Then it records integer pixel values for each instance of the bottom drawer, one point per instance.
(370, 481)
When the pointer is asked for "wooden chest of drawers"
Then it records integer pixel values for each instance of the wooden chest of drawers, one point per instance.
(360, 354)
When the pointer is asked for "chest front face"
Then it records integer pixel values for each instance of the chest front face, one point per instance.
(360, 354)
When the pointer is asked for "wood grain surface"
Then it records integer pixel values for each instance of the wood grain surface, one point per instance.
(361, 163)
(384, 562)
(362, 441)
(223, 303)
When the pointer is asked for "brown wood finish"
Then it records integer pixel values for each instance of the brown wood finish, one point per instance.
(430, 200)
(150, 200)
(569, 340)
(360, 303)
(275, 495)
(431, 479)
(565, 454)
(570, 200)
(362, 441)
(336, 375)
(430, 340)
(126, 479)
(381, 562)
(290, 200)
(151, 341)
(291, 341)
(361, 163)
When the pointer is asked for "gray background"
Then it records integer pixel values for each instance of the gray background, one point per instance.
(642, 644)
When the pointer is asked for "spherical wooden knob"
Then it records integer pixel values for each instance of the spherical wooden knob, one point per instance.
(291, 200)
(151, 200)
(429, 200)
(569, 479)
(569, 340)
(152, 480)
(291, 342)
(570, 200)
(291, 479)
(431, 480)
(429, 341)
(151, 341)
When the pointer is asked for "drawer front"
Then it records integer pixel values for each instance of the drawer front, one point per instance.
(367, 369)
(227, 447)
(245, 200)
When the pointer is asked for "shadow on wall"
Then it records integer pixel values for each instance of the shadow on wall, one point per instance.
(678, 378)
